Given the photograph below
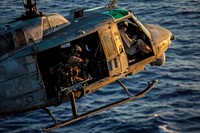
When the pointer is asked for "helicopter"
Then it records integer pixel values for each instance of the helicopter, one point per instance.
(35, 48)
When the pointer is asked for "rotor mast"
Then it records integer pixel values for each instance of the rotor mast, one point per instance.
(30, 8)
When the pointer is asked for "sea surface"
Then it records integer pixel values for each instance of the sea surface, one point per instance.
(173, 106)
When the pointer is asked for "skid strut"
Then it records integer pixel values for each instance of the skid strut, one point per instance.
(51, 114)
(73, 104)
(90, 113)
(124, 87)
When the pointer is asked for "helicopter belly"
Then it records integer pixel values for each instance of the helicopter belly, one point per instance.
(20, 86)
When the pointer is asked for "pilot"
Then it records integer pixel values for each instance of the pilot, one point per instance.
(134, 41)
(125, 32)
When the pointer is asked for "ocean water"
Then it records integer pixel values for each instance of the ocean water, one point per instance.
(173, 106)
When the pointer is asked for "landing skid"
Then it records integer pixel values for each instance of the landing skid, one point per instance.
(90, 113)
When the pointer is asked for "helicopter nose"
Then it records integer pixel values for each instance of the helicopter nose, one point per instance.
(167, 38)
(164, 41)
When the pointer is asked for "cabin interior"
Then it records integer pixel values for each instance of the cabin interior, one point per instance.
(56, 72)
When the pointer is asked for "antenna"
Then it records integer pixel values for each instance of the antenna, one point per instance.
(111, 4)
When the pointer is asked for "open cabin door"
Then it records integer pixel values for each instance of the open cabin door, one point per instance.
(115, 54)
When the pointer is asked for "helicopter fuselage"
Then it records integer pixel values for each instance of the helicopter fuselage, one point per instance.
(34, 72)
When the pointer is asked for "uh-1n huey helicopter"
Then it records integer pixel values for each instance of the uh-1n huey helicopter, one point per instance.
(106, 43)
